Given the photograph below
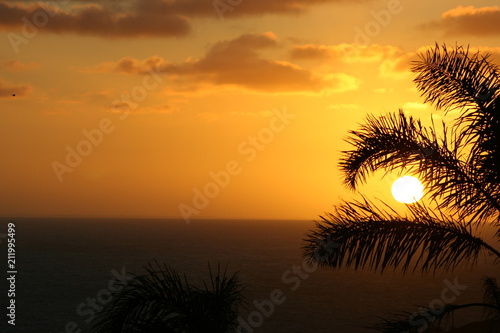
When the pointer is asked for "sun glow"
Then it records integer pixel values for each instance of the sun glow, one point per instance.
(407, 189)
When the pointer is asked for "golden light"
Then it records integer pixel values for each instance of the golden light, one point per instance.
(407, 189)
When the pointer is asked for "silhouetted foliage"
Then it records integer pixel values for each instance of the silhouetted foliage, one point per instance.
(368, 236)
(460, 165)
(163, 301)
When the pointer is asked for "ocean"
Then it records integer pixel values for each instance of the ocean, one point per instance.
(63, 263)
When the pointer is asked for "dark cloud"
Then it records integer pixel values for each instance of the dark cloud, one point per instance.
(139, 17)
(237, 62)
(471, 21)
(92, 19)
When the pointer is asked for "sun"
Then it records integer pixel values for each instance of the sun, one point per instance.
(407, 189)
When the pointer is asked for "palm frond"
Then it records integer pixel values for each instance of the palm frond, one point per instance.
(397, 141)
(455, 79)
(163, 301)
(218, 303)
(425, 320)
(389, 141)
(492, 296)
(367, 236)
(146, 301)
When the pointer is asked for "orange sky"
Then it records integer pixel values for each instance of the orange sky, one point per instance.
(198, 109)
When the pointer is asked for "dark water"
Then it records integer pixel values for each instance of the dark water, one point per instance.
(64, 263)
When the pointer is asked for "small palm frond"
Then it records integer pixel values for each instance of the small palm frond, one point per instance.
(228, 293)
(163, 301)
(367, 236)
(492, 296)
(218, 303)
(425, 320)
(390, 141)
(397, 141)
(455, 79)
(145, 301)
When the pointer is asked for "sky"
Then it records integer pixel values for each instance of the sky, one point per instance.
(207, 109)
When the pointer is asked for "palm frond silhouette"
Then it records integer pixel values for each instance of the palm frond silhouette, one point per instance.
(368, 236)
(427, 317)
(163, 301)
(460, 163)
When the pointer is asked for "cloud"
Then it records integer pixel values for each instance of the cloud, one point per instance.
(92, 19)
(347, 53)
(7, 90)
(193, 8)
(391, 60)
(398, 67)
(236, 63)
(18, 66)
(122, 107)
(468, 21)
(134, 108)
(130, 65)
(166, 18)
(312, 51)
(87, 97)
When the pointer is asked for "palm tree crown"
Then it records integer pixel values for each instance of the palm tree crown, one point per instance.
(460, 163)
(163, 301)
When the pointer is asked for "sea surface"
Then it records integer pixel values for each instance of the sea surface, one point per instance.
(62, 264)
